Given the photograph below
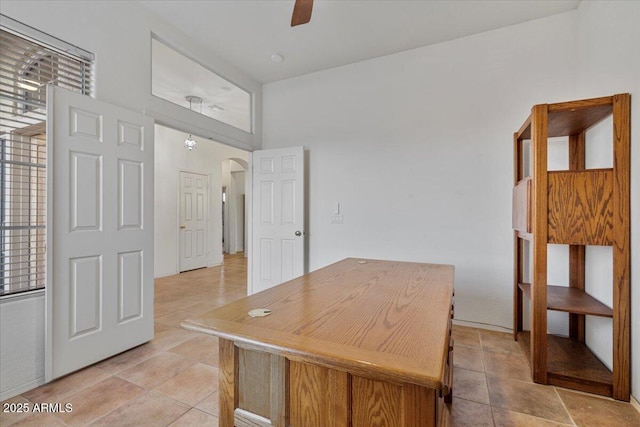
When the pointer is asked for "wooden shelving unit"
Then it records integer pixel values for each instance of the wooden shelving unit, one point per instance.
(576, 207)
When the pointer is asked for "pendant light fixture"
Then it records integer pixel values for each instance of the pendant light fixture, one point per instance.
(190, 143)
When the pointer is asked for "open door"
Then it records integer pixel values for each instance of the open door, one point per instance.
(278, 217)
(99, 293)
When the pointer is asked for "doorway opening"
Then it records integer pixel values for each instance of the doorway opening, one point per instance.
(234, 217)
(173, 160)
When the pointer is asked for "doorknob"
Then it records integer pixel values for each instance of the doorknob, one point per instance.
(298, 233)
(182, 227)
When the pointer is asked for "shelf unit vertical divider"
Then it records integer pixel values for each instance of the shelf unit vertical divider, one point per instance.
(539, 125)
(518, 249)
(621, 246)
(577, 155)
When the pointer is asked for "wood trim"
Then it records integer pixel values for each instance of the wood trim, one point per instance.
(577, 152)
(249, 419)
(576, 280)
(525, 130)
(577, 157)
(228, 373)
(621, 246)
(447, 390)
(580, 104)
(517, 243)
(518, 246)
(539, 119)
(570, 381)
(279, 391)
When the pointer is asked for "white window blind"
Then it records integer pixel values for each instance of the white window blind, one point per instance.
(26, 67)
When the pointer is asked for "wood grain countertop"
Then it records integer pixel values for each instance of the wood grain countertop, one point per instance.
(385, 320)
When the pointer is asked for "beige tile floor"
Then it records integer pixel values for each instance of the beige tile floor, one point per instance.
(173, 380)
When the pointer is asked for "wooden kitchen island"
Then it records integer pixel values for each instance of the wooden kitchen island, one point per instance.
(357, 343)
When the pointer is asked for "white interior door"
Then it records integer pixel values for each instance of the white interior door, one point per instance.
(278, 217)
(193, 220)
(99, 291)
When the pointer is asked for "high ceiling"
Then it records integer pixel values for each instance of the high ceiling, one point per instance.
(246, 33)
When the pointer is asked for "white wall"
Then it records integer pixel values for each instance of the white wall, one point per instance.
(119, 34)
(609, 62)
(239, 225)
(170, 158)
(417, 149)
(21, 343)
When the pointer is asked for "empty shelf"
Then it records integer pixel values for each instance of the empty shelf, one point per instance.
(571, 300)
(571, 364)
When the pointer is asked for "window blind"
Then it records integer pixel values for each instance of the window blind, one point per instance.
(26, 67)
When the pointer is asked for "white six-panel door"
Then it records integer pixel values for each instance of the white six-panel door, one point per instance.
(99, 231)
(278, 217)
(193, 220)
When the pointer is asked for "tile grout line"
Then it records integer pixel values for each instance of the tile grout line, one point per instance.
(486, 379)
(555, 389)
(513, 379)
(148, 391)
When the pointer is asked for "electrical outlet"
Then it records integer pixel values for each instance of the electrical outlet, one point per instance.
(337, 219)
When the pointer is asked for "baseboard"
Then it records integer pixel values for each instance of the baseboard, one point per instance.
(8, 394)
(634, 402)
(479, 325)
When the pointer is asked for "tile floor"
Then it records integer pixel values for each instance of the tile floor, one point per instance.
(173, 380)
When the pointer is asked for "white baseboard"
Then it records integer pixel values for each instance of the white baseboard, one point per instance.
(635, 403)
(478, 325)
(8, 394)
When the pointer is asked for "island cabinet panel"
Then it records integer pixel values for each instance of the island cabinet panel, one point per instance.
(358, 343)
(379, 403)
(254, 382)
(319, 396)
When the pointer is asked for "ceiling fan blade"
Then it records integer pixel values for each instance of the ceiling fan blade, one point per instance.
(301, 12)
